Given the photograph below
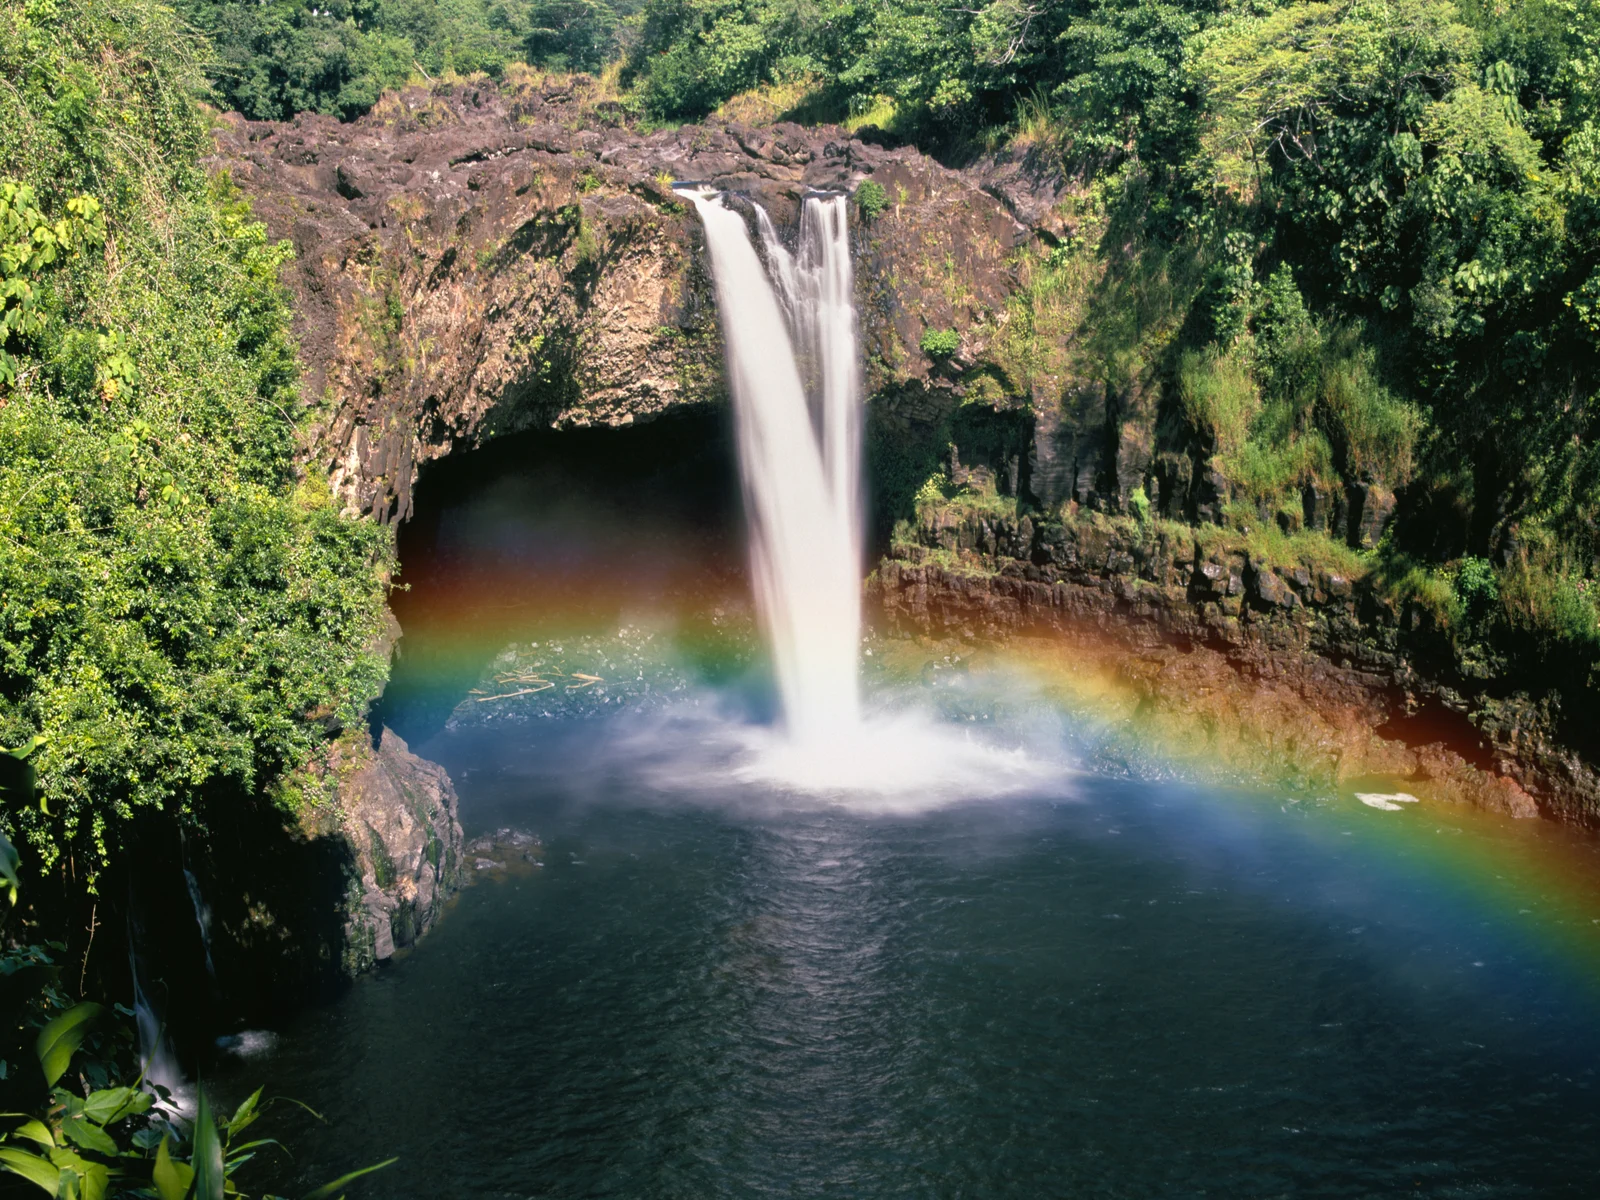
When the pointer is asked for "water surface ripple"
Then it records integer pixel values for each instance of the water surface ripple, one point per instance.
(1135, 991)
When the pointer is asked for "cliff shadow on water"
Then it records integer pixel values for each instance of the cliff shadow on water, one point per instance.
(568, 531)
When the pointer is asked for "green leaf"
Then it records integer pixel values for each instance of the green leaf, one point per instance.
(245, 1115)
(59, 1040)
(86, 1133)
(34, 1169)
(112, 1104)
(80, 1178)
(35, 1131)
(210, 1180)
(234, 1152)
(10, 860)
(172, 1179)
(328, 1190)
(147, 1139)
(96, 1183)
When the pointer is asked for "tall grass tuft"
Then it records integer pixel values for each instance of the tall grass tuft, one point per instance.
(1373, 432)
(1219, 397)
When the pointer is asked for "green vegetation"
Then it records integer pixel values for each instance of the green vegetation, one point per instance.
(111, 1141)
(940, 343)
(274, 58)
(871, 199)
(179, 616)
(80, 1136)
(1139, 505)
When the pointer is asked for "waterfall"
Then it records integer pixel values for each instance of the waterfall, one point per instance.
(793, 369)
(202, 918)
(789, 324)
(159, 1063)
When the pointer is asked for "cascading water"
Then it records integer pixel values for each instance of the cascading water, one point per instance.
(793, 363)
(792, 366)
(160, 1070)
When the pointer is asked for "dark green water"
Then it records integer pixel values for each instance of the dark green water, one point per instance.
(1127, 989)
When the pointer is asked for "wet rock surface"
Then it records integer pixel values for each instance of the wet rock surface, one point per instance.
(400, 814)
(1322, 673)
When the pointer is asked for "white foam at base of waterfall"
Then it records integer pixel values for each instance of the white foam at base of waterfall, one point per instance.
(897, 762)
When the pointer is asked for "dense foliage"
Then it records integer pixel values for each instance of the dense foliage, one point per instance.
(177, 614)
(274, 58)
(1348, 242)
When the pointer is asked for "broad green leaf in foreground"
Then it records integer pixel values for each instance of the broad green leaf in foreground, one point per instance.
(33, 1168)
(172, 1179)
(210, 1181)
(59, 1040)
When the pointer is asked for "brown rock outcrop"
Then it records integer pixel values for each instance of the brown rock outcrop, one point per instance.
(399, 814)
(1306, 671)
(472, 261)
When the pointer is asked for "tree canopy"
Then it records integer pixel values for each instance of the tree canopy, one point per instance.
(178, 612)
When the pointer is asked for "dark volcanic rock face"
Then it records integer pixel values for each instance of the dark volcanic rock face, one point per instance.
(471, 261)
(1323, 677)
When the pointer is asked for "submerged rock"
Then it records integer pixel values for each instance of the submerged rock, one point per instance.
(506, 850)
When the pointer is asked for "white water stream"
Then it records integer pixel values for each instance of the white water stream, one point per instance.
(792, 366)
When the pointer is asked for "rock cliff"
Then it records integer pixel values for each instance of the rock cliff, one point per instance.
(472, 261)
(1327, 676)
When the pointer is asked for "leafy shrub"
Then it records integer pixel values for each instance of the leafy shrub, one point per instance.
(932, 489)
(82, 1136)
(1288, 343)
(176, 613)
(940, 343)
(1477, 591)
(871, 199)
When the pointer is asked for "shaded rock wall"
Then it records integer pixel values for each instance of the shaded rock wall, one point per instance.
(1350, 684)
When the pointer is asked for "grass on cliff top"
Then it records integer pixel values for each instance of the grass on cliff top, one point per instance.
(939, 497)
(1265, 543)
(939, 501)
